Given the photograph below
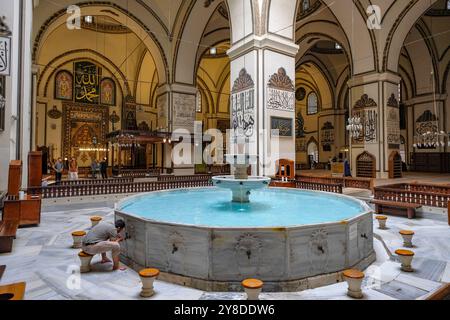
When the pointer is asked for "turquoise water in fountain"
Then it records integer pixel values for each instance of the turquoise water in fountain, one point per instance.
(212, 207)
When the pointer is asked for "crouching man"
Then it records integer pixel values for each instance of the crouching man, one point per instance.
(105, 237)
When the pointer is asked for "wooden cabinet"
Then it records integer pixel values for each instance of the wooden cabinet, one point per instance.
(34, 169)
(27, 211)
(395, 165)
(14, 177)
(430, 162)
(366, 165)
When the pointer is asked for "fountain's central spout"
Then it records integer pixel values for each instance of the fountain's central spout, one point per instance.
(241, 184)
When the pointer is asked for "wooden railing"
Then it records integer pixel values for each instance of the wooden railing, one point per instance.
(196, 177)
(327, 187)
(346, 182)
(53, 192)
(139, 173)
(426, 195)
(94, 181)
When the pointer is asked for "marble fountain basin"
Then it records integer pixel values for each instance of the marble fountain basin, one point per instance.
(291, 239)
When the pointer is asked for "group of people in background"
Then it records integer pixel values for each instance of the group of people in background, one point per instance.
(72, 167)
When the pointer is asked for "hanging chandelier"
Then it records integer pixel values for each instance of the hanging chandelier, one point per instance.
(431, 139)
(355, 127)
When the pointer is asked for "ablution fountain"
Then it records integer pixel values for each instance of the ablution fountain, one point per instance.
(291, 239)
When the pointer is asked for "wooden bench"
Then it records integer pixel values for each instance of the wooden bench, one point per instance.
(443, 293)
(8, 230)
(396, 208)
(14, 291)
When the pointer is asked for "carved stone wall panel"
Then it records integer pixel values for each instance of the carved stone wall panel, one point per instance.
(184, 106)
(281, 92)
(252, 255)
(178, 250)
(315, 252)
(162, 104)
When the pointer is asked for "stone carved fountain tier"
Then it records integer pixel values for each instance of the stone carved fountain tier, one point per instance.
(241, 184)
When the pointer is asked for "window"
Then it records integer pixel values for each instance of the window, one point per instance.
(312, 104)
(2, 103)
(305, 6)
(199, 102)
(448, 4)
(337, 46)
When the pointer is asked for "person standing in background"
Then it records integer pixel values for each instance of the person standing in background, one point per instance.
(73, 169)
(94, 168)
(104, 168)
(59, 168)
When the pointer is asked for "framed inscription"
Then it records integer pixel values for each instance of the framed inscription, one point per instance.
(281, 127)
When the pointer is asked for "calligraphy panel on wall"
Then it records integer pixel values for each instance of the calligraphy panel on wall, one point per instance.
(283, 125)
(108, 92)
(366, 110)
(86, 84)
(64, 85)
(393, 123)
(281, 92)
(5, 56)
(243, 105)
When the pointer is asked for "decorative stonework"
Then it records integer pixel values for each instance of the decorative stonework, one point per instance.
(184, 106)
(365, 102)
(392, 102)
(281, 92)
(243, 82)
(93, 118)
(281, 80)
(248, 253)
(175, 253)
(54, 113)
(318, 250)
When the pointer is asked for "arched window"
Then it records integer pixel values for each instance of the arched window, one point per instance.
(199, 102)
(312, 104)
(305, 5)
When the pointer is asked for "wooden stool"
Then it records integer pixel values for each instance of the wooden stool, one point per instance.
(381, 222)
(253, 288)
(95, 220)
(354, 279)
(148, 277)
(78, 239)
(407, 236)
(85, 259)
(14, 291)
(406, 257)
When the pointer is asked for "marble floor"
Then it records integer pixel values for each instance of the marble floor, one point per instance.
(42, 257)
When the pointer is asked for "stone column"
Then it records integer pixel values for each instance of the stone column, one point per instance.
(374, 98)
(176, 111)
(263, 98)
